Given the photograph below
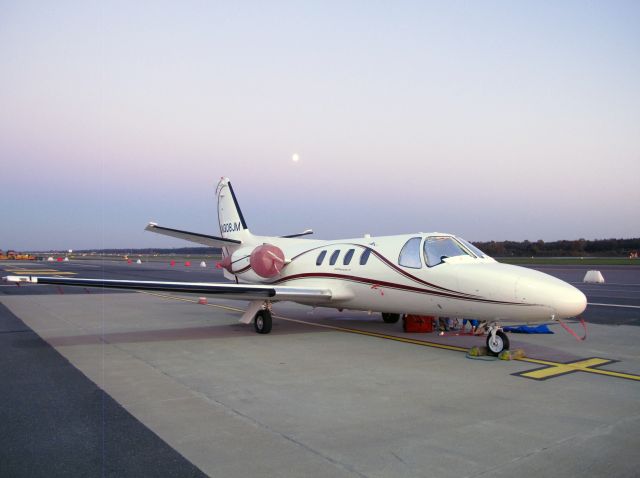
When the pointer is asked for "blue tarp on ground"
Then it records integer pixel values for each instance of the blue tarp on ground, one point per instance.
(528, 329)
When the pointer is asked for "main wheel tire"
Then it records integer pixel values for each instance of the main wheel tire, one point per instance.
(390, 318)
(501, 342)
(263, 322)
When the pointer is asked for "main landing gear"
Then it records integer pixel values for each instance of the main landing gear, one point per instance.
(390, 318)
(262, 320)
(497, 340)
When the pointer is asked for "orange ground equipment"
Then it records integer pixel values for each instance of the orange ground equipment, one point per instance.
(418, 323)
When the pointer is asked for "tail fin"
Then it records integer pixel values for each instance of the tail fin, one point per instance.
(230, 218)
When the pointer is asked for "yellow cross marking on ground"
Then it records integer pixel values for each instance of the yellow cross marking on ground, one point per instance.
(548, 370)
(556, 369)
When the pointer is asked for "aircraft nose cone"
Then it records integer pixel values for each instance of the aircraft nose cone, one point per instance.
(569, 302)
(563, 299)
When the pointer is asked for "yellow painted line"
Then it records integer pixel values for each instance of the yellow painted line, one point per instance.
(184, 299)
(325, 326)
(550, 369)
(37, 271)
(49, 273)
(612, 373)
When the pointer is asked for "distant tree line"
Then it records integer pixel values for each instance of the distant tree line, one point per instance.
(577, 248)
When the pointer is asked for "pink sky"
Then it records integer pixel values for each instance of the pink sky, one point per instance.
(494, 120)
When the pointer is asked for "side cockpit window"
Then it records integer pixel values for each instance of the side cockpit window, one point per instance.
(410, 254)
(437, 249)
(321, 258)
(472, 248)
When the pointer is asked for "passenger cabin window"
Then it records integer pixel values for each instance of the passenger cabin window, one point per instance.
(320, 258)
(410, 254)
(365, 256)
(348, 256)
(436, 249)
(334, 257)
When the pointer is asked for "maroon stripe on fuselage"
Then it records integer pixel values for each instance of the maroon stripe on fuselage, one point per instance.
(389, 264)
(412, 277)
(390, 285)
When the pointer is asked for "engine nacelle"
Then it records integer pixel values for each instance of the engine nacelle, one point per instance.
(262, 262)
(267, 260)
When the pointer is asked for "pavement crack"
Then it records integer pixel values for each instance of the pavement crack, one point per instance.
(600, 430)
(264, 426)
(399, 459)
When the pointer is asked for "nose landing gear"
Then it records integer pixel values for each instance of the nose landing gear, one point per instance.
(497, 340)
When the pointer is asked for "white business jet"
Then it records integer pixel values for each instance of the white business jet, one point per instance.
(423, 273)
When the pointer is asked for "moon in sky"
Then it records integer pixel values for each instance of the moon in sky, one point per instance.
(295, 157)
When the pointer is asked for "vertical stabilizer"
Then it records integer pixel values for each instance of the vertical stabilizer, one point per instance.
(230, 218)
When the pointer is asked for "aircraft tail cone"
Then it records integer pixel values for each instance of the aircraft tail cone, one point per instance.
(225, 264)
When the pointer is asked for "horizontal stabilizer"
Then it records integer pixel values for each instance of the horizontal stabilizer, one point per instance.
(222, 290)
(211, 241)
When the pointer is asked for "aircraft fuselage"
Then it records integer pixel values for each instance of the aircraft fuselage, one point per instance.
(461, 286)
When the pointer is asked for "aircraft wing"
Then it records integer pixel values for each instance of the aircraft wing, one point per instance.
(211, 241)
(221, 290)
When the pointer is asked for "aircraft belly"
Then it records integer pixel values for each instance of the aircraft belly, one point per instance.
(385, 299)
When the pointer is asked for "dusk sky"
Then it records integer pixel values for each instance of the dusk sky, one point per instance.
(492, 120)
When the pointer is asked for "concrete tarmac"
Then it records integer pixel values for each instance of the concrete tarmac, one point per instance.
(343, 394)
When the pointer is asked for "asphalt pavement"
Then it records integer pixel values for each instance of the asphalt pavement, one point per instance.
(101, 383)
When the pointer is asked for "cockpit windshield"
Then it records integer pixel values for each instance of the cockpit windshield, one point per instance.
(436, 249)
(472, 248)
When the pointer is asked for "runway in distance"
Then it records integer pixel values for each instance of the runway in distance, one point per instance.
(431, 273)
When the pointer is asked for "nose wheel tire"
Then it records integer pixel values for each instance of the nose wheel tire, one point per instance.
(497, 343)
(262, 322)
(390, 318)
